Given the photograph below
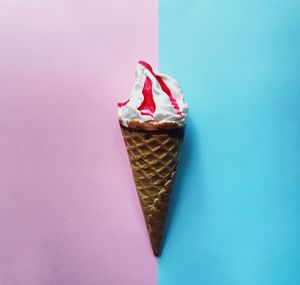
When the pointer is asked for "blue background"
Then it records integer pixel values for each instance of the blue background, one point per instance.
(235, 213)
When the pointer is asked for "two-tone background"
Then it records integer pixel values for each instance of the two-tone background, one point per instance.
(69, 213)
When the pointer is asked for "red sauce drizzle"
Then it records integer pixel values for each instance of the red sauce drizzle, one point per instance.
(122, 104)
(163, 86)
(148, 105)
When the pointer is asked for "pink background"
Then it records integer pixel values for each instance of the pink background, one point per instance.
(69, 213)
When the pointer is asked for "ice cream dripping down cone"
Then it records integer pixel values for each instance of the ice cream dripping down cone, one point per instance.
(152, 124)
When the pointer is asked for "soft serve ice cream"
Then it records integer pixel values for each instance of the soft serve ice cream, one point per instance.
(155, 98)
(152, 124)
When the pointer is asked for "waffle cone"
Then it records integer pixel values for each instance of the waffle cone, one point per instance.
(153, 156)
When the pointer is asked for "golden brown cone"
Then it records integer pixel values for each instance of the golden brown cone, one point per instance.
(153, 156)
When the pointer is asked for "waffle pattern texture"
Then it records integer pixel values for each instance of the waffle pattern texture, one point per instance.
(153, 157)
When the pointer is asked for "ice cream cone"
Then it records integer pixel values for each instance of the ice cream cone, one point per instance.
(152, 122)
(153, 155)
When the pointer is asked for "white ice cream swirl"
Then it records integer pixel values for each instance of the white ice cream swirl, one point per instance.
(154, 97)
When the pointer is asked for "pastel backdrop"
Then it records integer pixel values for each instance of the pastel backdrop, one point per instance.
(235, 217)
(68, 209)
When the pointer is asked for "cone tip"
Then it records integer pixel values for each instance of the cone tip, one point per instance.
(156, 253)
